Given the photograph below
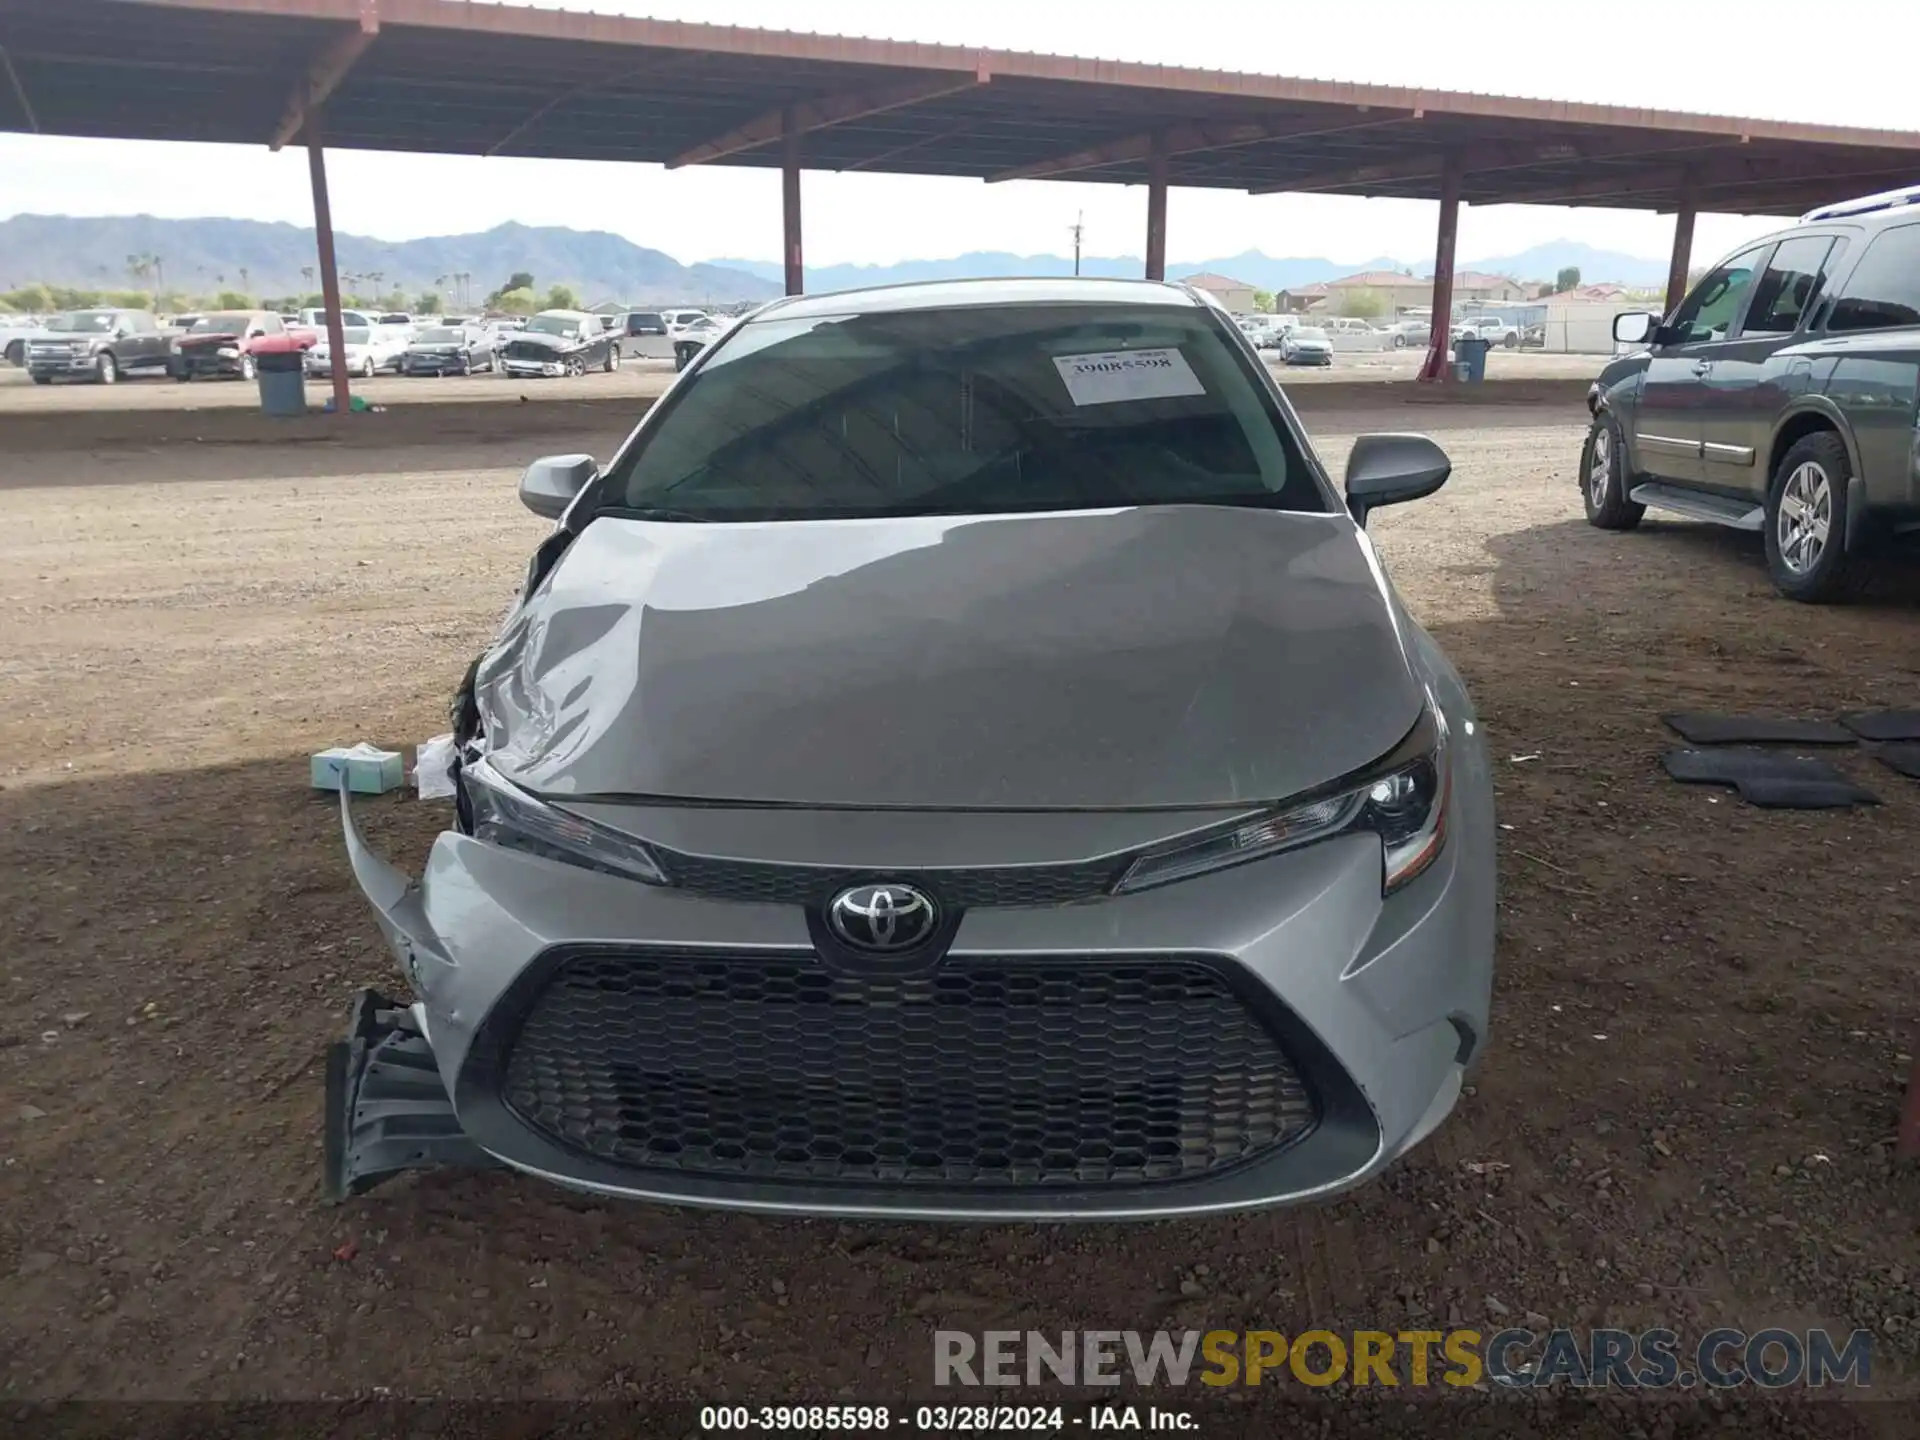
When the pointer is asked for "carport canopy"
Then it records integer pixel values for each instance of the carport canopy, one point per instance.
(450, 77)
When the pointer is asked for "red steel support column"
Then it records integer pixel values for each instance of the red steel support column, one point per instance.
(790, 206)
(1682, 249)
(1157, 209)
(329, 274)
(1435, 367)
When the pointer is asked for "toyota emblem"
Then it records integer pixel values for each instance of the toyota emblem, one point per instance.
(882, 918)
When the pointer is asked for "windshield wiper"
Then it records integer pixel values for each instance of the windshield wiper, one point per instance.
(645, 512)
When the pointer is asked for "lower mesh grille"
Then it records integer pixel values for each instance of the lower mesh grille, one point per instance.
(990, 1072)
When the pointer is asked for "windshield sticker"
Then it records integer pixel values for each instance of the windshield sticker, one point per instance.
(1127, 375)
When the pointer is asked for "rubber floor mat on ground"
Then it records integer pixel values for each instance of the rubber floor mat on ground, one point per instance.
(1904, 757)
(1768, 779)
(1884, 724)
(1703, 729)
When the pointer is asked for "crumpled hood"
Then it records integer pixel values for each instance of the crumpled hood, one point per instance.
(209, 337)
(1171, 656)
(543, 341)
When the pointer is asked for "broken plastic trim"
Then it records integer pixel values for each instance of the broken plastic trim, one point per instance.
(387, 1110)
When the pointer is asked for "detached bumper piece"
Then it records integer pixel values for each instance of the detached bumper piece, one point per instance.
(387, 1110)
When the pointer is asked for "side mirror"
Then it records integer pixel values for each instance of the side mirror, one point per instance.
(1392, 469)
(1636, 327)
(550, 484)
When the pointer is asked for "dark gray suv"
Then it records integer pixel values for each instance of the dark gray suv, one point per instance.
(1779, 397)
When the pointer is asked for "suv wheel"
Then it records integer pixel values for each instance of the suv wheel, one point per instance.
(1807, 521)
(613, 358)
(248, 369)
(105, 368)
(1603, 478)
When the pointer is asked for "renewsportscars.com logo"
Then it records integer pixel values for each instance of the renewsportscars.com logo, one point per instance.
(1647, 1359)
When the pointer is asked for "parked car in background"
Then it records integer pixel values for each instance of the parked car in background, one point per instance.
(678, 320)
(449, 350)
(220, 345)
(867, 644)
(1411, 331)
(1306, 345)
(693, 337)
(641, 323)
(560, 342)
(370, 349)
(1533, 337)
(1489, 328)
(1779, 396)
(98, 345)
(312, 324)
(16, 331)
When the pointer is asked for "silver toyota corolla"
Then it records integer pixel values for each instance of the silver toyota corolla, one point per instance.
(961, 758)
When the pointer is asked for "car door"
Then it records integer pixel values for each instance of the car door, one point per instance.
(1750, 382)
(1667, 426)
(136, 343)
(1868, 363)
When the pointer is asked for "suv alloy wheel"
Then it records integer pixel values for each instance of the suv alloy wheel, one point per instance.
(1603, 477)
(1807, 521)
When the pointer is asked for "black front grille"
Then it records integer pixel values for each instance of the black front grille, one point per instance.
(991, 1072)
(771, 884)
(530, 350)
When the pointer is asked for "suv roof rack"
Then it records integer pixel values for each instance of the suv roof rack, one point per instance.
(1885, 200)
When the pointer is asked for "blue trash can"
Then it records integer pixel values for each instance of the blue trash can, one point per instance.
(1471, 351)
(281, 372)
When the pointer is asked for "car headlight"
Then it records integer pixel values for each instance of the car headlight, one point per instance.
(507, 816)
(1403, 800)
(228, 352)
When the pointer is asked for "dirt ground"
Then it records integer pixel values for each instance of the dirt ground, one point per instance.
(1703, 1016)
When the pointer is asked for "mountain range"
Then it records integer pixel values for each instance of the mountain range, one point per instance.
(207, 255)
(1262, 271)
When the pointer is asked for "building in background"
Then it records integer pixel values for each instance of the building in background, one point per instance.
(1392, 293)
(1236, 295)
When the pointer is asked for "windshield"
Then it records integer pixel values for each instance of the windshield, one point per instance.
(440, 335)
(352, 335)
(83, 322)
(975, 410)
(228, 322)
(554, 325)
(1309, 332)
(396, 319)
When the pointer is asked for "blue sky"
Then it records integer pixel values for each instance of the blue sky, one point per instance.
(1681, 54)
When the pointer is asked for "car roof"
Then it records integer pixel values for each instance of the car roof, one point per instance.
(571, 314)
(958, 294)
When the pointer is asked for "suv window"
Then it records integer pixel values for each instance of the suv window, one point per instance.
(1707, 313)
(1884, 289)
(1789, 287)
(978, 410)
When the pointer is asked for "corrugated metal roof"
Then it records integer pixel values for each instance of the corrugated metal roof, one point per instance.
(447, 76)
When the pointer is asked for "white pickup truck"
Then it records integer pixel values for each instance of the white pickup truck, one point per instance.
(1490, 329)
(15, 332)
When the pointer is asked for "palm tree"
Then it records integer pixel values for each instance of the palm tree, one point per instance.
(244, 285)
(138, 268)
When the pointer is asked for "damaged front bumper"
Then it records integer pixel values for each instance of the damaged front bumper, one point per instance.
(387, 1110)
(1382, 1013)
